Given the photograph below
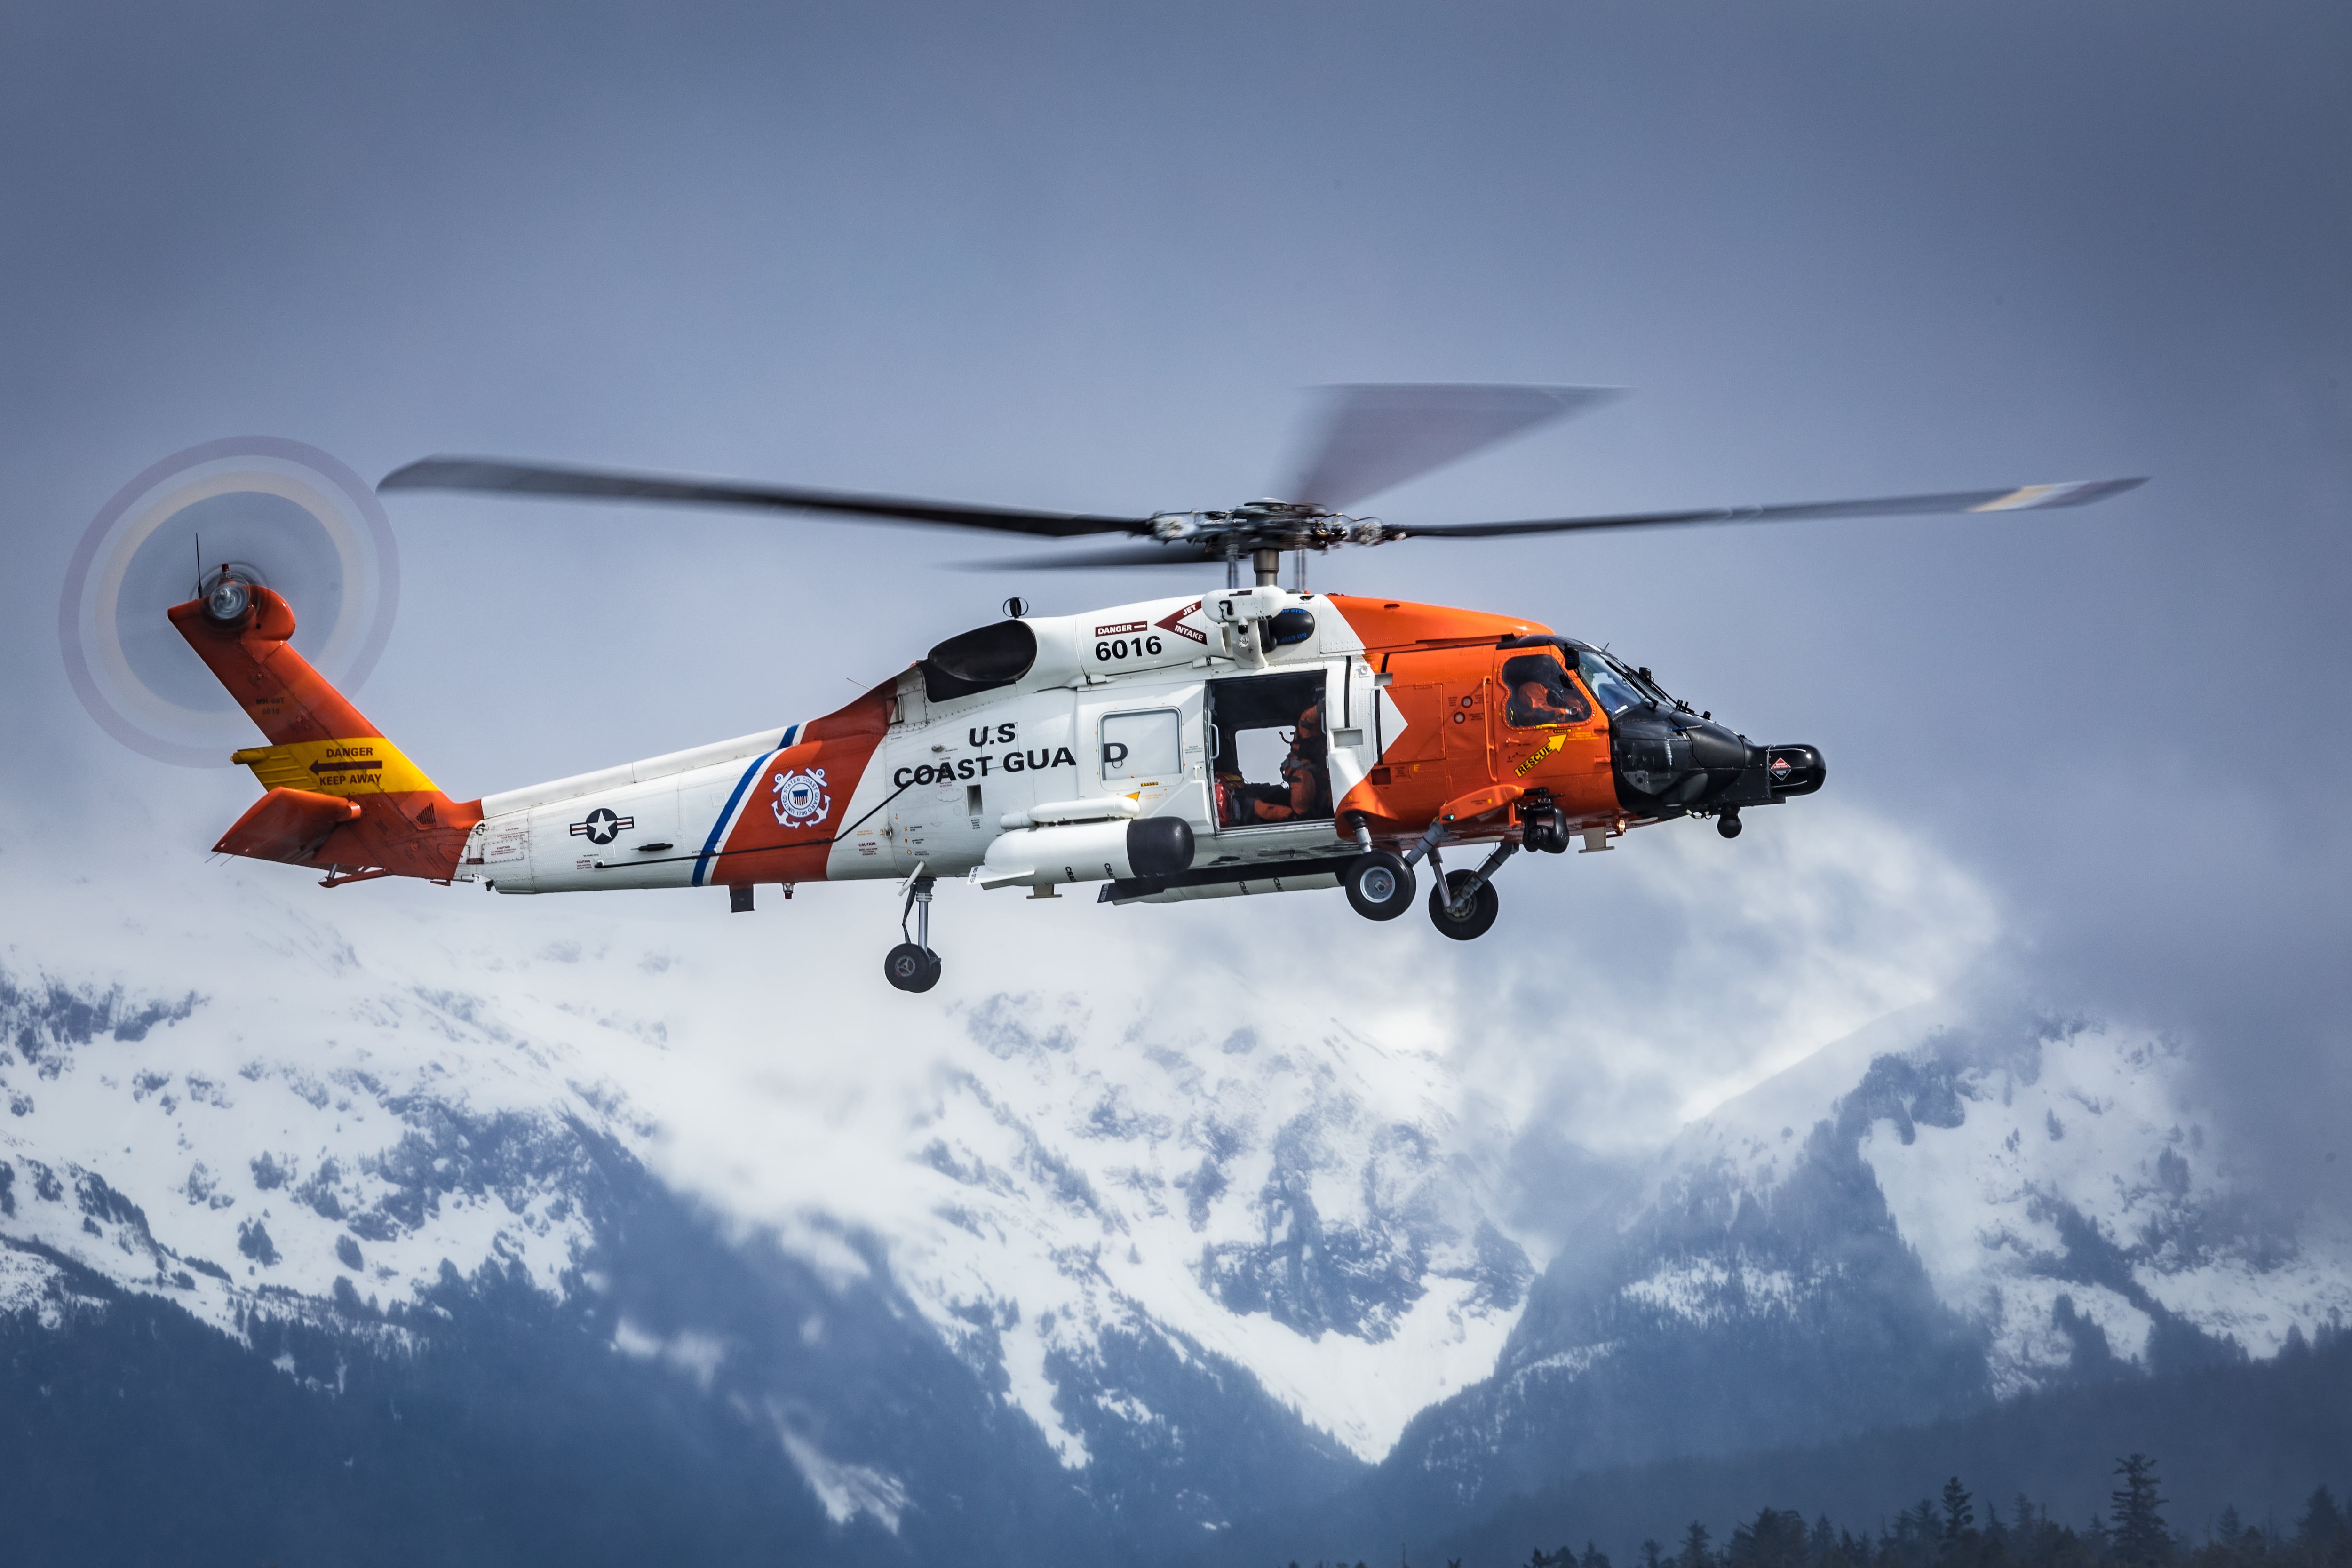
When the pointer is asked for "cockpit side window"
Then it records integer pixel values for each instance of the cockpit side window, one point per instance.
(1537, 692)
(1616, 687)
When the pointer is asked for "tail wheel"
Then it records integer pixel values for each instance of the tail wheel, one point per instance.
(1471, 922)
(912, 968)
(1379, 884)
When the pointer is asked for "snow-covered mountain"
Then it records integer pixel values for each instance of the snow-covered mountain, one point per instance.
(1206, 1256)
(1132, 1270)
(2033, 1158)
(1954, 1205)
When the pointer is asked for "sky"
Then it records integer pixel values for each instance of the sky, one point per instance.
(1088, 258)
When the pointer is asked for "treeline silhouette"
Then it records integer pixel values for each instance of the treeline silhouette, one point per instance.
(2255, 1437)
(1949, 1533)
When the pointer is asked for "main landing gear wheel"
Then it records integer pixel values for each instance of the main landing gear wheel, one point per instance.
(1470, 923)
(912, 965)
(912, 968)
(1379, 884)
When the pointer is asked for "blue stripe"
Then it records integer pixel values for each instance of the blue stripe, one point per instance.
(710, 845)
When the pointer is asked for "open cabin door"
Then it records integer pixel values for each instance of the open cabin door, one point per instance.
(1270, 762)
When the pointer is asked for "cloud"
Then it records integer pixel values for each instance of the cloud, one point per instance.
(2094, 749)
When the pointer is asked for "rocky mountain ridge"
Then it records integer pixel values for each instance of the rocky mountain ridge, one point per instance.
(1202, 1272)
(1954, 1207)
(1175, 1269)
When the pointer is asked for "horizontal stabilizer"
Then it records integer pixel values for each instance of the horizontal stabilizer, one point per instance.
(288, 825)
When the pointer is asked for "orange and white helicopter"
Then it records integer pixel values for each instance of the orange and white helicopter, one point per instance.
(1231, 742)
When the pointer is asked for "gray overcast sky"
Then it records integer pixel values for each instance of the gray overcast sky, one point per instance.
(1087, 256)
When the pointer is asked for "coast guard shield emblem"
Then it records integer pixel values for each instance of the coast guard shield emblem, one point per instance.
(800, 797)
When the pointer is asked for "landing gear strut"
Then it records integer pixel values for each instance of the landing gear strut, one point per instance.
(912, 965)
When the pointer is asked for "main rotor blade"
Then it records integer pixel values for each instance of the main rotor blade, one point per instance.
(2025, 498)
(1361, 440)
(497, 477)
(1117, 555)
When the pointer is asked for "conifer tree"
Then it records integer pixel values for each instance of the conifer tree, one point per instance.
(2140, 1539)
(2322, 1521)
(2096, 1533)
(1696, 1550)
(1959, 1513)
(1916, 1529)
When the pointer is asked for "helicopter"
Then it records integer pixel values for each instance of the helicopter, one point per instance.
(1229, 741)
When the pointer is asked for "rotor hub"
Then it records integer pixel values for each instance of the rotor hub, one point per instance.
(227, 593)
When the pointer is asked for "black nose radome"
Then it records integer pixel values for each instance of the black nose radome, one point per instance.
(1794, 770)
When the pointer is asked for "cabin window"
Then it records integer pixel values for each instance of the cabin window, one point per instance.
(979, 660)
(1141, 745)
(1537, 692)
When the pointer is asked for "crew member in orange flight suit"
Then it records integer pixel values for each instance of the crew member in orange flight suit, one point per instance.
(1532, 705)
(1305, 772)
(1543, 696)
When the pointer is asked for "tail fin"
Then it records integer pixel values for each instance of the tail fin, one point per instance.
(341, 795)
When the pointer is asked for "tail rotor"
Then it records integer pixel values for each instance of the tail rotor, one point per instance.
(254, 513)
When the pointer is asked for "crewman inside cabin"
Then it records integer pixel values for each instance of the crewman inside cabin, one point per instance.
(1305, 787)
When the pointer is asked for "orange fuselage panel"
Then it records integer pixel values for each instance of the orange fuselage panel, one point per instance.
(771, 842)
(1459, 751)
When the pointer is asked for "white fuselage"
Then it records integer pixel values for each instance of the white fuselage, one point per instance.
(1116, 718)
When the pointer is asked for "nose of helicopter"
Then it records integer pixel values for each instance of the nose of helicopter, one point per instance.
(1667, 763)
(1793, 770)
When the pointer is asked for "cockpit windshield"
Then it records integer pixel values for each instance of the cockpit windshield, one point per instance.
(1617, 686)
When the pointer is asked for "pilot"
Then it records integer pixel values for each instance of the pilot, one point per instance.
(1305, 787)
(1541, 695)
(1532, 702)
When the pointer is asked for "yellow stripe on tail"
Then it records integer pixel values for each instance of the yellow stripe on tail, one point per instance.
(364, 765)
